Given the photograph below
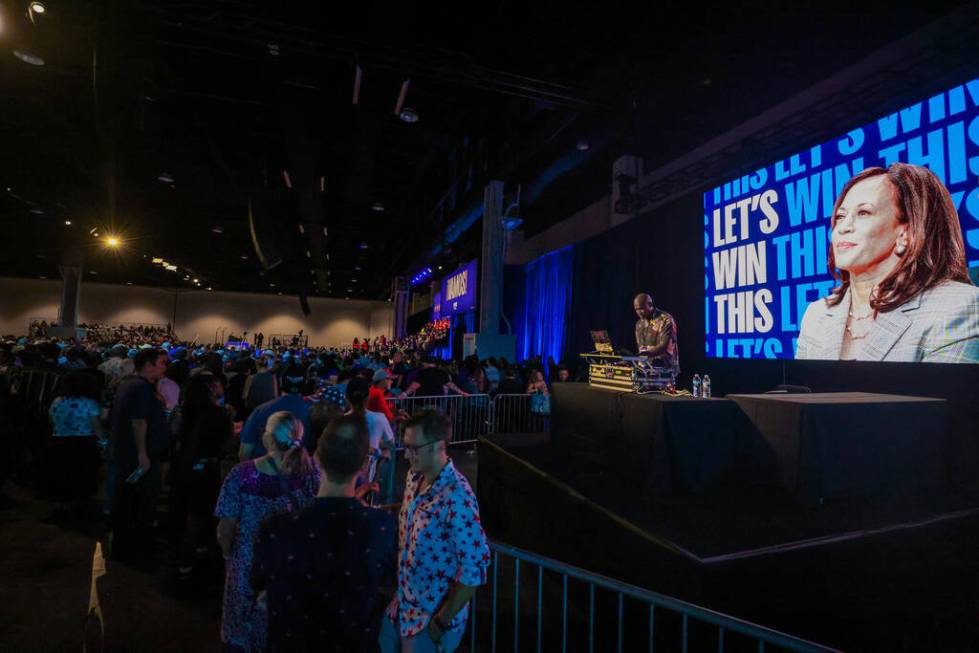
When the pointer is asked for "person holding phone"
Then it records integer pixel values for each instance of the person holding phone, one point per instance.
(139, 436)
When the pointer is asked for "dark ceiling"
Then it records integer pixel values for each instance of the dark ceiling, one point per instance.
(251, 105)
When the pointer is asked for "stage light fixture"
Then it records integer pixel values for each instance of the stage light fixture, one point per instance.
(378, 207)
(157, 260)
(218, 229)
(196, 280)
(409, 115)
(37, 7)
(363, 246)
(67, 223)
(582, 145)
(113, 241)
(166, 178)
(96, 234)
(29, 58)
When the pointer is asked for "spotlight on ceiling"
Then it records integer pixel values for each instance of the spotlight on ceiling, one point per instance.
(37, 8)
(112, 241)
(157, 260)
(196, 280)
(409, 115)
(171, 268)
(166, 178)
(29, 58)
(378, 207)
(362, 246)
(244, 257)
(583, 145)
(218, 229)
(67, 223)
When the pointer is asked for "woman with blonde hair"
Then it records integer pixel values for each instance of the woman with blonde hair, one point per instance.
(283, 480)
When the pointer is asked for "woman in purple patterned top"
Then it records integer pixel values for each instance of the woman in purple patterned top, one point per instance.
(281, 481)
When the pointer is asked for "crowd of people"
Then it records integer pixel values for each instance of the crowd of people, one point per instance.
(100, 333)
(287, 455)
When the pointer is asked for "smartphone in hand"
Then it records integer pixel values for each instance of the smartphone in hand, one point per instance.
(136, 475)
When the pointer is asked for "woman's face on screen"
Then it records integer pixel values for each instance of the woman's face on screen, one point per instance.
(866, 228)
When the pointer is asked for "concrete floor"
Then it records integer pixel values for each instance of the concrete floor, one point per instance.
(58, 594)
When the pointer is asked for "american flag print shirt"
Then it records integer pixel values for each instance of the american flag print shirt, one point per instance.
(440, 542)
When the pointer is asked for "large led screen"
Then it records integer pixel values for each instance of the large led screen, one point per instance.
(768, 234)
(458, 294)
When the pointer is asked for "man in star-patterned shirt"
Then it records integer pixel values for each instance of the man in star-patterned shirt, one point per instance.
(442, 550)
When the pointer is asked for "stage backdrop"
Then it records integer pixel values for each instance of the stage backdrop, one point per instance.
(542, 317)
(766, 234)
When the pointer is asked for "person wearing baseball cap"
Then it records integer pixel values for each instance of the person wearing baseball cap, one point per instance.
(377, 401)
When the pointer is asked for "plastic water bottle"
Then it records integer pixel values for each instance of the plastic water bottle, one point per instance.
(706, 387)
(696, 385)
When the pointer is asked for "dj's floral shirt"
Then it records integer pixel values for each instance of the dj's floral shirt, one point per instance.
(440, 542)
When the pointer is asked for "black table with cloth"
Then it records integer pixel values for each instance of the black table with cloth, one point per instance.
(845, 444)
(664, 444)
(810, 446)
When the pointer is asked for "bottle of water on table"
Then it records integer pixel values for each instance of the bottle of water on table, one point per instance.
(705, 388)
(696, 385)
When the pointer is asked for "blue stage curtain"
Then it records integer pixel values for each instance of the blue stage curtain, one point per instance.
(541, 325)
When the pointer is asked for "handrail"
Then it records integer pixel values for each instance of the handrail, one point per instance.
(688, 610)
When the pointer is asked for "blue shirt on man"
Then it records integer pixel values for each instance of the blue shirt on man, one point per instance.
(251, 432)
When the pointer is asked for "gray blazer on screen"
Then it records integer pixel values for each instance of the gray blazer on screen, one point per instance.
(941, 325)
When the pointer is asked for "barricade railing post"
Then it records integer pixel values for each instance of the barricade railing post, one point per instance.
(469, 414)
(595, 583)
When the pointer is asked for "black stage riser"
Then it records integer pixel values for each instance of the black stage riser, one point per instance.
(904, 590)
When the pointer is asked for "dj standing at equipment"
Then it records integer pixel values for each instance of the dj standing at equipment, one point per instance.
(655, 333)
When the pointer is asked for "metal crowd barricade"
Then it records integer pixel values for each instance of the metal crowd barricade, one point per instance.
(519, 413)
(567, 606)
(37, 388)
(471, 416)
